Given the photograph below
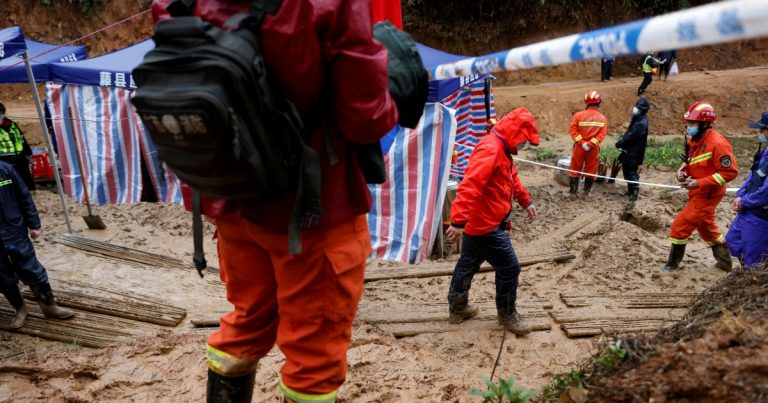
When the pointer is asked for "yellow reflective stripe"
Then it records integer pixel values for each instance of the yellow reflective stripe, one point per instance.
(298, 397)
(592, 124)
(594, 140)
(676, 241)
(719, 241)
(577, 138)
(700, 158)
(227, 365)
(719, 179)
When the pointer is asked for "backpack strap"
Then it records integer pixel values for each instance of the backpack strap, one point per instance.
(252, 20)
(197, 233)
(181, 8)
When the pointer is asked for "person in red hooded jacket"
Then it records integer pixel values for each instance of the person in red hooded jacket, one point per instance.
(320, 52)
(481, 213)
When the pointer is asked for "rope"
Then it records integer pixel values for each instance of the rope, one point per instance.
(607, 177)
(124, 20)
(498, 356)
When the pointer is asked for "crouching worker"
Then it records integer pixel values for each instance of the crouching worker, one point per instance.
(481, 213)
(748, 237)
(19, 221)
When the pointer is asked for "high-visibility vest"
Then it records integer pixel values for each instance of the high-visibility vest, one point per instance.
(11, 141)
(646, 65)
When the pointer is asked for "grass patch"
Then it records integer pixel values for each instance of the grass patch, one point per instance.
(544, 154)
(606, 361)
(505, 391)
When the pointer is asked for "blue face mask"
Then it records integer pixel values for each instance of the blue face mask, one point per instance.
(692, 131)
(763, 138)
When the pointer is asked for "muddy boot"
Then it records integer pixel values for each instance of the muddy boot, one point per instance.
(225, 389)
(574, 185)
(632, 195)
(723, 257)
(588, 186)
(675, 257)
(44, 296)
(459, 309)
(13, 295)
(513, 322)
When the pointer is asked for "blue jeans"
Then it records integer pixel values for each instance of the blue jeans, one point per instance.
(18, 261)
(496, 248)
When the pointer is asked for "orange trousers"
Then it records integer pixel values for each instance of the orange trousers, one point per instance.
(584, 161)
(305, 303)
(697, 215)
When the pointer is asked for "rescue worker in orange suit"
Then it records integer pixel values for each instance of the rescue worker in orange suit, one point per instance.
(709, 165)
(481, 213)
(305, 303)
(588, 129)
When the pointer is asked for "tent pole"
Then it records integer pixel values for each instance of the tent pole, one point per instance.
(47, 138)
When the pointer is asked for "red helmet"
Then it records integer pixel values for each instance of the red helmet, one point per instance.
(592, 97)
(701, 111)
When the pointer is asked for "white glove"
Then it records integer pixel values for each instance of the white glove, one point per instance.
(586, 147)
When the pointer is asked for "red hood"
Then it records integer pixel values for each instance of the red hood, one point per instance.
(518, 126)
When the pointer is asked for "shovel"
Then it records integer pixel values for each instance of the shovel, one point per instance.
(92, 221)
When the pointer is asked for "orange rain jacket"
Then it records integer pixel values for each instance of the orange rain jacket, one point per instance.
(712, 164)
(484, 197)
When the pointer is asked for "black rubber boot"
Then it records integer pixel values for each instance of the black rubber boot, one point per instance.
(723, 257)
(675, 257)
(13, 295)
(513, 322)
(632, 194)
(459, 309)
(225, 389)
(44, 296)
(588, 186)
(574, 185)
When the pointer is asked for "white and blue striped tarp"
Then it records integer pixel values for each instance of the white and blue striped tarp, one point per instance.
(406, 211)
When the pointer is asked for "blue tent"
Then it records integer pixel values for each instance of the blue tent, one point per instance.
(11, 42)
(18, 72)
(110, 70)
(440, 89)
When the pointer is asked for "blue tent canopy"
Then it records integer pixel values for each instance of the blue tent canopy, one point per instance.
(11, 42)
(440, 89)
(40, 65)
(110, 70)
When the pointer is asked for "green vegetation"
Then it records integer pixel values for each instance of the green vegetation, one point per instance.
(604, 362)
(505, 391)
(543, 154)
(658, 154)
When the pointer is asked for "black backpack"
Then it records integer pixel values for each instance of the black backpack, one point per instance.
(216, 119)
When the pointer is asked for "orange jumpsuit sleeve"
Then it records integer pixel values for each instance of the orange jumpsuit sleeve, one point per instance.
(482, 162)
(726, 168)
(519, 192)
(574, 129)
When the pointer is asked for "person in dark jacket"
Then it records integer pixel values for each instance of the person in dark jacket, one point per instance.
(606, 68)
(14, 148)
(632, 145)
(18, 222)
(669, 57)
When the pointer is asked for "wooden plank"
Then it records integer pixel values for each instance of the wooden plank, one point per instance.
(436, 312)
(446, 269)
(597, 327)
(573, 315)
(630, 300)
(413, 329)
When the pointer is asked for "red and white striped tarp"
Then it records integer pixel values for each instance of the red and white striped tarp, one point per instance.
(112, 142)
(469, 103)
(406, 211)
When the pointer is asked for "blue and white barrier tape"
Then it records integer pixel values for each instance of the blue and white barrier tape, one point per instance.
(710, 24)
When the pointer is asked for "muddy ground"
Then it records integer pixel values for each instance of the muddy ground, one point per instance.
(611, 256)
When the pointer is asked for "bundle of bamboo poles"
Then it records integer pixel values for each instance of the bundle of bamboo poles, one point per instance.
(120, 252)
(84, 297)
(85, 329)
(446, 268)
